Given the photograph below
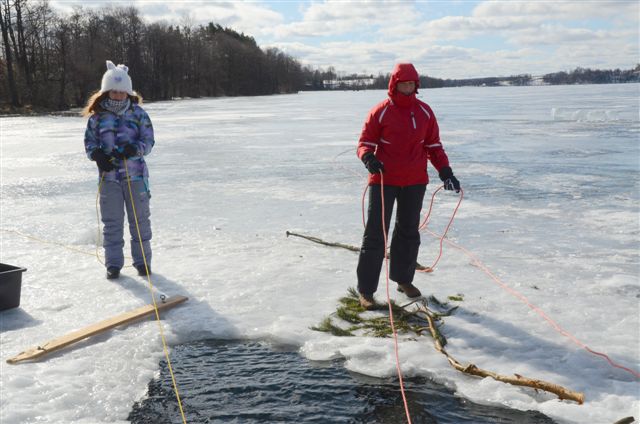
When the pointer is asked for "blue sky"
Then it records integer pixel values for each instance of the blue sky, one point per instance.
(447, 39)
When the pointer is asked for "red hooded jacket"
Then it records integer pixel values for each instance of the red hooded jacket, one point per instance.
(403, 133)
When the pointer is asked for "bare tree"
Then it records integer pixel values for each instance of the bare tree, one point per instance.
(5, 24)
(56, 61)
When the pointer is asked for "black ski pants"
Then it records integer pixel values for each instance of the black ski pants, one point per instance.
(405, 241)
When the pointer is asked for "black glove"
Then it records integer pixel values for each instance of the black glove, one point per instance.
(449, 180)
(127, 151)
(372, 163)
(102, 160)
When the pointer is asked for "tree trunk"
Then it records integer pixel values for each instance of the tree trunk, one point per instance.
(13, 91)
(22, 49)
(62, 103)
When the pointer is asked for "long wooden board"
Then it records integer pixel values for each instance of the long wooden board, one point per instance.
(100, 327)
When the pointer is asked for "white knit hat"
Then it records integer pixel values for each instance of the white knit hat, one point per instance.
(116, 78)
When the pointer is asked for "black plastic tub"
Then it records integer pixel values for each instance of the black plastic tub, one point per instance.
(10, 285)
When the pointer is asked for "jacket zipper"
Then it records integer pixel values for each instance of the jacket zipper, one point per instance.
(413, 119)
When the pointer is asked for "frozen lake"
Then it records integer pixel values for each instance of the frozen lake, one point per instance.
(551, 207)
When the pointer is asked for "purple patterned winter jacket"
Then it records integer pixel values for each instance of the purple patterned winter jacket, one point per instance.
(111, 132)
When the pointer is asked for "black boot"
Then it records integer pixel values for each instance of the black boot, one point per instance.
(113, 273)
(142, 270)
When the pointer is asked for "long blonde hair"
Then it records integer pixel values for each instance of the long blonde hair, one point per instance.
(93, 104)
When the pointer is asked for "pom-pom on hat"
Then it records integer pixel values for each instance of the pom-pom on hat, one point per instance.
(116, 78)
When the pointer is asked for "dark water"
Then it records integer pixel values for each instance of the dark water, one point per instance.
(251, 382)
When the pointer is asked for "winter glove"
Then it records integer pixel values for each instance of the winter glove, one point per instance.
(372, 163)
(127, 151)
(102, 160)
(449, 180)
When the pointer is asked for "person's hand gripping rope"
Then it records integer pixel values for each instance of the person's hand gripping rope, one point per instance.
(372, 163)
(449, 181)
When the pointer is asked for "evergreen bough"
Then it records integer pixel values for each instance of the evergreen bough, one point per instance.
(352, 319)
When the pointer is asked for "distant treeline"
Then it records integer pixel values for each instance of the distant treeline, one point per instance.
(594, 76)
(577, 76)
(49, 61)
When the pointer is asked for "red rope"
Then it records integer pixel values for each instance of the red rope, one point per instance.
(364, 225)
(446, 230)
(504, 286)
(393, 328)
(537, 310)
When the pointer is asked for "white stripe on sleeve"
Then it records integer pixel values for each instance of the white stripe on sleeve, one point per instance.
(382, 114)
(425, 111)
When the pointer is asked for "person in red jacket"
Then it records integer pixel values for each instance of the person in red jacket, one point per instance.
(399, 136)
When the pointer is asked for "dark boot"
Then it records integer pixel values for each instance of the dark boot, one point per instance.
(368, 302)
(142, 270)
(113, 273)
(409, 289)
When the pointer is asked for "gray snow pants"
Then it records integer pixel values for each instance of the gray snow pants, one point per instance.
(114, 198)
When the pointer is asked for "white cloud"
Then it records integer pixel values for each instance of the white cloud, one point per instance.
(344, 56)
(250, 17)
(558, 10)
(446, 61)
(334, 17)
(557, 35)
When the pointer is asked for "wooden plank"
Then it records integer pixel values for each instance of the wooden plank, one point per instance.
(97, 328)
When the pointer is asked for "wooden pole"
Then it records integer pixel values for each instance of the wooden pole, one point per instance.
(100, 327)
(343, 246)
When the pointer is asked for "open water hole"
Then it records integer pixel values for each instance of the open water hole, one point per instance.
(248, 382)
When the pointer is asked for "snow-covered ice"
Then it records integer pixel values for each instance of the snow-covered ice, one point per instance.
(551, 207)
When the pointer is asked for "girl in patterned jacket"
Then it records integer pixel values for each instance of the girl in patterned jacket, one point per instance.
(119, 134)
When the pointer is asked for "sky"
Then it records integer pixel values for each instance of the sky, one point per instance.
(446, 39)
